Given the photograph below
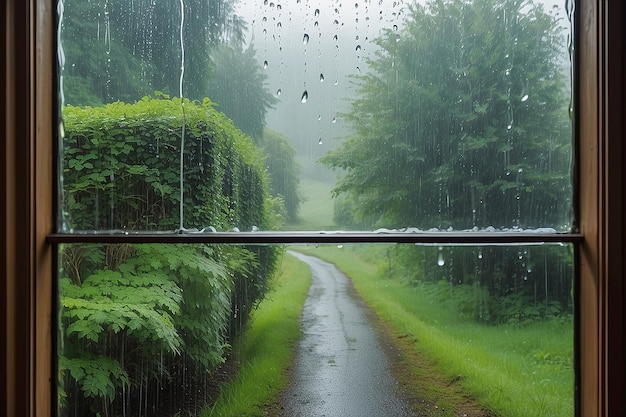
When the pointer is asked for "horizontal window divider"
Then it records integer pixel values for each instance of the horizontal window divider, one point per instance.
(426, 238)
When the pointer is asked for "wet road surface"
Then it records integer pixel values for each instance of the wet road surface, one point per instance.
(340, 369)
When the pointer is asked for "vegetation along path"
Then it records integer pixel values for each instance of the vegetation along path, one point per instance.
(341, 368)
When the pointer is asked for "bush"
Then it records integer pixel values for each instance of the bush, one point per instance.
(122, 168)
(138, 321)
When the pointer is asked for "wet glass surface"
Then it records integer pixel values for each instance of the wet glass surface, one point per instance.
(144, 329)
(360, 116)
(246, 116)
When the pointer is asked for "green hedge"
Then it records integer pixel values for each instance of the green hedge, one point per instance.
(143, 327)
(122, 163)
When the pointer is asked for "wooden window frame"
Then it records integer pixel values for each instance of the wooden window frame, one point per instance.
(28, 122)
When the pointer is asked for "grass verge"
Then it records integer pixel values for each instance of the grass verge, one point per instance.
(512, 371)
(316, 209)
(267, 346)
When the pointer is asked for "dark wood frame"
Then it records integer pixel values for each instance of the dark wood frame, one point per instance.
(26, 180)
(600, 95)
(27, 119)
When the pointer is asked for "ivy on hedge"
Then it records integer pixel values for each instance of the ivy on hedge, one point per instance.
(121, 168)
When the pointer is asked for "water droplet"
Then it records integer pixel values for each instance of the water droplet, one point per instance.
(395, 27)
(440, 260)
(334, 120)
(278, 92)
(264, 19)
(279, 7)
(335, 38)
(336, 22)
(319, 117)
(397, 38)
(356, 5)
(509, 126)
(317, 12)
(264, 64)
(305, 96)
(319, 142)
(305, 39)
(358, 48)
(507, 72)
(524, 98)
(321, 78)
(480, 255)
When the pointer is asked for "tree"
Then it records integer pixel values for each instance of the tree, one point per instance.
(462, 121)
(237, 85)
(121, 50)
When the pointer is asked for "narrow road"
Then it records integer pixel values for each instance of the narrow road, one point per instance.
(340, 370)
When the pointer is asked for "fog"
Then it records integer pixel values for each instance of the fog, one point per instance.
(318, 47)
(315, 47)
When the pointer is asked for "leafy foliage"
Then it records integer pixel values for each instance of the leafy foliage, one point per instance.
(97, 376)
(137, 319)
(462, 121)
(171, 301)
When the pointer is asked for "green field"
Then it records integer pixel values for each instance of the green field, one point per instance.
(316, 209)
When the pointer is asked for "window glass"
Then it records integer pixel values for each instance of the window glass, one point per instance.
(236, 116)
(314, 115)
(146, 329)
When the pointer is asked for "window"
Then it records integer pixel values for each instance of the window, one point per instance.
(29, 342)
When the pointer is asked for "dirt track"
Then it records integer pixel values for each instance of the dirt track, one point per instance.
(341, 369)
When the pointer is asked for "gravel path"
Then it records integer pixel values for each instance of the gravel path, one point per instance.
(340, 370)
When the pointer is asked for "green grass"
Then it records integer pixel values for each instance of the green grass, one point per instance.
(316, 210)
(511, 370)
(268, 346)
